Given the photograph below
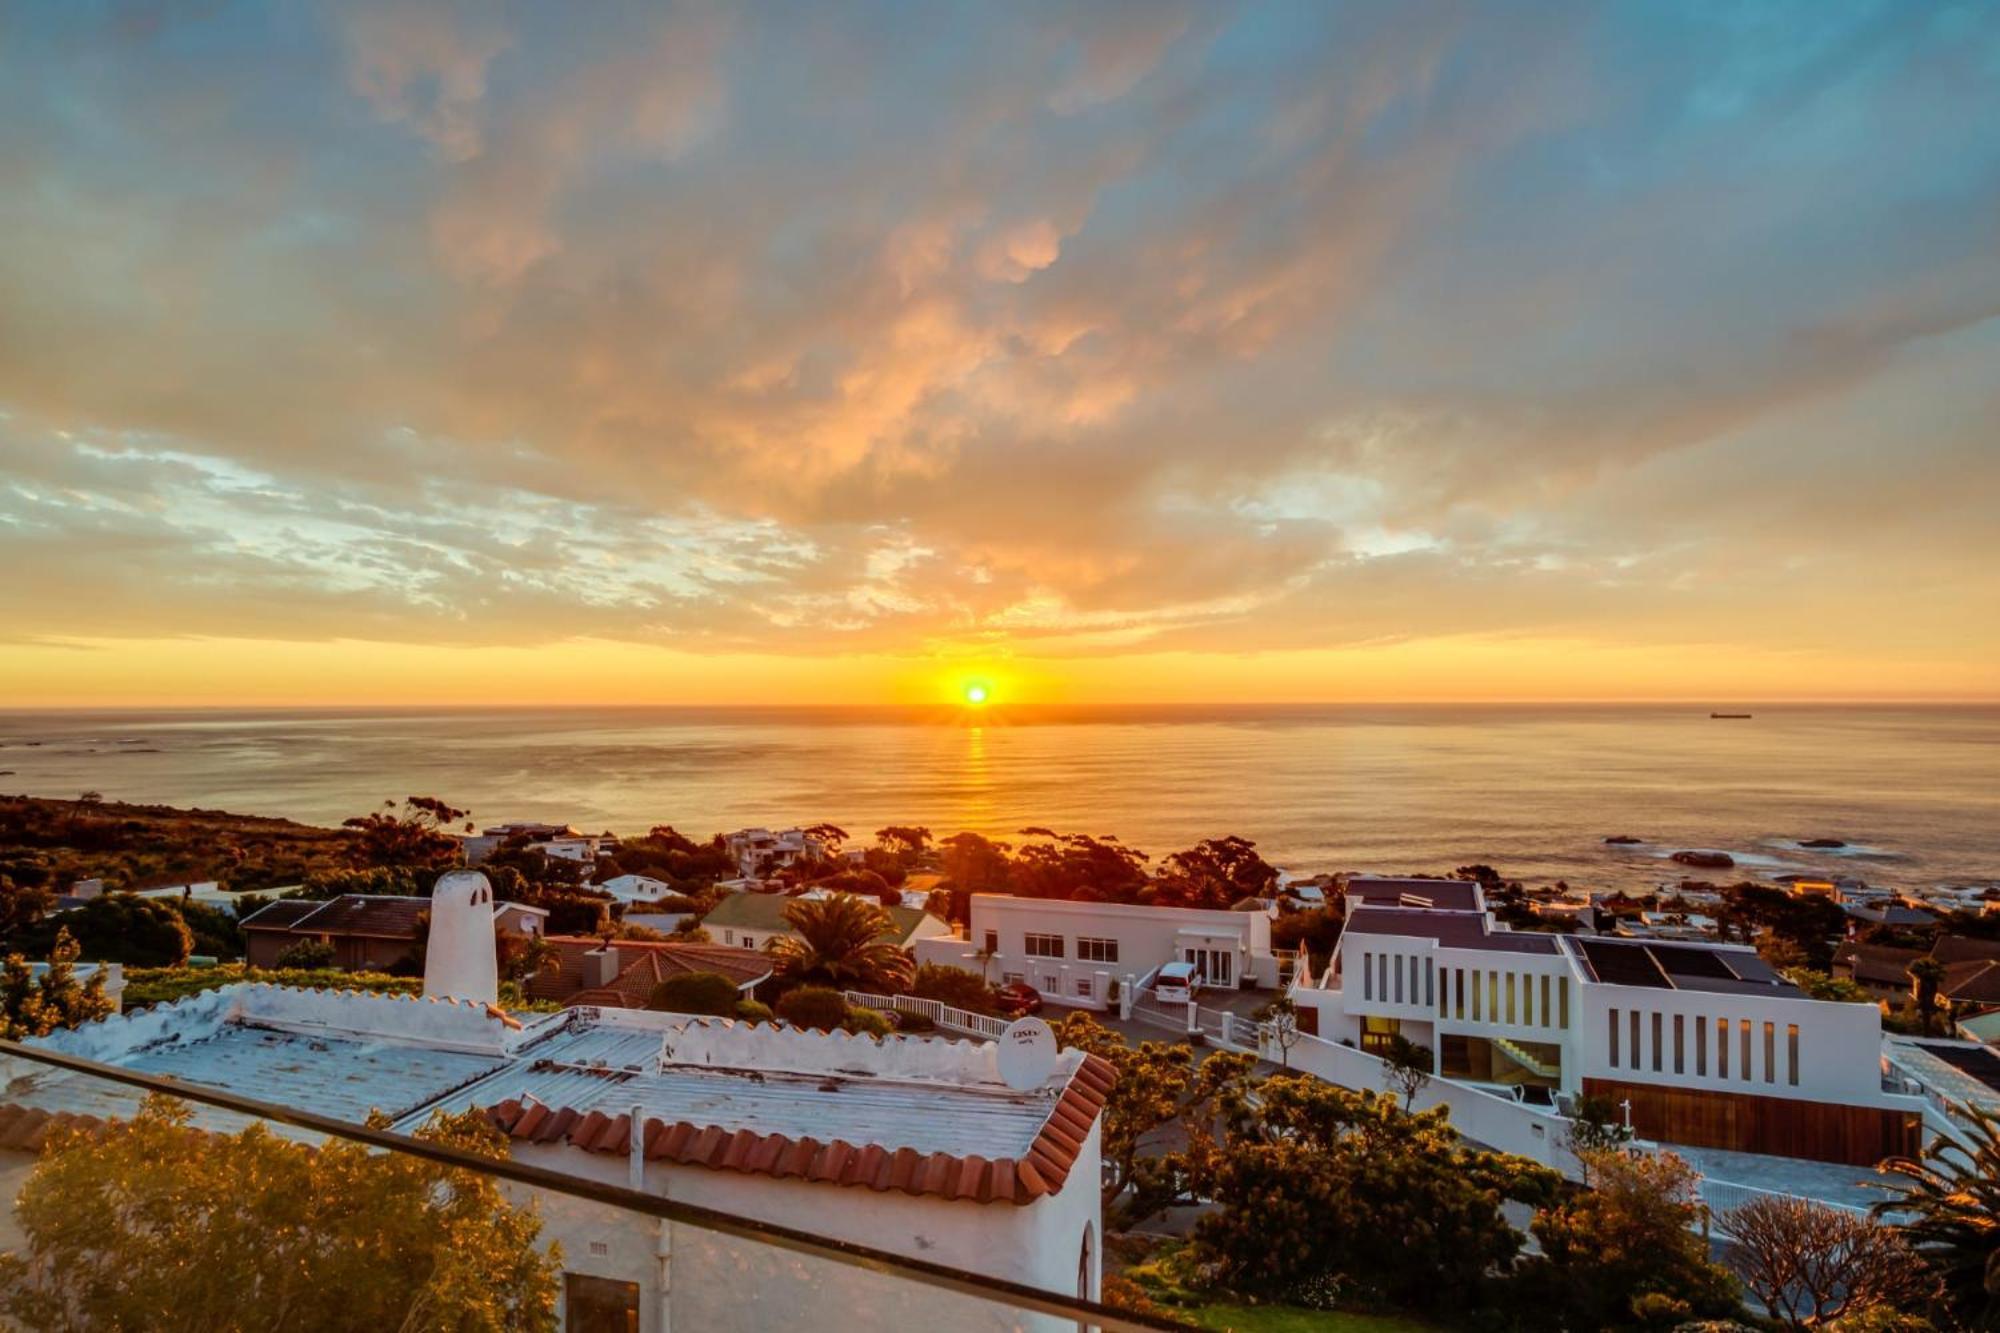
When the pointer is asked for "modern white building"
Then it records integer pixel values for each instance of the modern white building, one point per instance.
(1072, 951)
(917, 1146)
(1703, 1044)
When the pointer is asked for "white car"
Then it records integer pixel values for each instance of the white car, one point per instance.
(1177, 983)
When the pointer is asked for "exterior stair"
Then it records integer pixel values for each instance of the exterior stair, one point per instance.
(1520, 1056)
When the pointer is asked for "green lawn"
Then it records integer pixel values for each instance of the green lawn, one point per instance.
(1288, 1319)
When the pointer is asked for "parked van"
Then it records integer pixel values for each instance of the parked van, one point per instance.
(1177, 983)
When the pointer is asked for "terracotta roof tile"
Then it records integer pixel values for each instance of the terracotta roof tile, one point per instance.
(29, 1128)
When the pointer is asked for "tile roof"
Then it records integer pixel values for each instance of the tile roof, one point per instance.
(1041, 1170)
(642, 964)
(28, 1128)
(1974, 981)
(1877, 964)
(282, 914)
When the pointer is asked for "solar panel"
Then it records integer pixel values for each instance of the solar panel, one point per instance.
(1692, 963)
(1976, 1061)
(1624, 964)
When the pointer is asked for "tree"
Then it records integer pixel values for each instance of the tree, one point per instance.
(32, 1006)
(1811, 1263)
(829, 836)
(1281, 1024)
(1153, 1084)
(1928, 973)
(976, 865)
(1078, 867)
(1406, 1067)
(22, 905)
(120, 928)
(817, 1007)
(953, 986)
(1950, 1200)
(1216, 873)
(288, 1236)
(904, 842)
(844, 942)
(1596, 1125)
(696, 993)
(1623, 1252)
(413, 838)
(1308, 1180)
(521, 957)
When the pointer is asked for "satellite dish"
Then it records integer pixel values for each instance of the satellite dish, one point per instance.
(1026, 1054)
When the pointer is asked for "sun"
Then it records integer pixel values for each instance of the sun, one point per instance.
(976, 693)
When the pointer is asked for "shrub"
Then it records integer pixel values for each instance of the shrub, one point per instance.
(868, 1022)
(306, 955)
(908, 1021)
(696, 993)
(813, 1007)
(953, 986)
(753, 1011)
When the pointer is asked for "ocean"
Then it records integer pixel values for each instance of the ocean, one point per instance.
(1531, 790)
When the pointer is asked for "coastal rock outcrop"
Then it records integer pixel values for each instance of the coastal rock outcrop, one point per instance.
(1706, 860)
(1821, 843)
(1623, 840)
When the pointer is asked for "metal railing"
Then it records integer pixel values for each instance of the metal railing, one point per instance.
(944, 1015)
(1007, 1296)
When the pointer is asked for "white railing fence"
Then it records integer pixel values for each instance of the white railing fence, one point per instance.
(940, 1013)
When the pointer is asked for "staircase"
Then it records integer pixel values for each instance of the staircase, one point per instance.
(1520, 1056)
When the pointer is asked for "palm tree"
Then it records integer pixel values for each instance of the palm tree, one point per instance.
(1950, 1203)
(1927, 972)
(842, 941)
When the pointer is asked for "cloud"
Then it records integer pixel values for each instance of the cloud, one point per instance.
(912, 331)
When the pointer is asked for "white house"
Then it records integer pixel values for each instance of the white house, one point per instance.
(913, 1145)
(1072, 951)
(760, 853)
(639, 889)
(1704, 1044)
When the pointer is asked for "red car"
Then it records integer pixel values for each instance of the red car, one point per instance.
(1017, 999)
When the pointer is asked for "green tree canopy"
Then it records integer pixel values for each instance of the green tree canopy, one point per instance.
(696, 993)
(149, 1224)
(32, 1006)
(844, 942)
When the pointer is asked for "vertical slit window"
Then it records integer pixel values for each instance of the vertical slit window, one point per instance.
(1510, 997)
(1743, 1026)
(1635, 1039)
(1792, 1054)
(1476, 989)
(1722, 1048)
(1680, 1044)
(1657, 1043)
(1430, 983)
(1700, 1046)
(1458, 992)
(1614, 1038)
(1770, 1052)
(1367, 975)
(1546, 1012)
(1528, 1000)
(1562, 988)
(1398, 970)
(1493, 997)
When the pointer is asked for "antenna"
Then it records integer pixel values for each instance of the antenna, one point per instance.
(1026, 1054)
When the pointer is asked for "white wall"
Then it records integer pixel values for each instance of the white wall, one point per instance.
(724, 1283)
(1146, 937)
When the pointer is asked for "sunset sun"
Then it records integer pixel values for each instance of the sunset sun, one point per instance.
(976, 693)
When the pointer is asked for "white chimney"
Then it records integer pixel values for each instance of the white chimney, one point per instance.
(459, 962)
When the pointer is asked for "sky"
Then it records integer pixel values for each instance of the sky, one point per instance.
(412, 353)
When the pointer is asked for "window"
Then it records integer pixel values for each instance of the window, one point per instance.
(1562, 989)
(1635, 1039)
(1700, 1046)
(1722, 1048)
(1743, 1026)
(1770, 1052)
(1546, 1011)
(1399, 981)
(599, 1305)
(1656, 1041)
(1082, 985)
(1051, 984)
(1493, 997)
(1614, 1038)
(1043, 946)
(1792, 1054)
(1430, 984)
(1382, 977)
(1013, 978)
(1096, 951)
(1458, 992)
(1367, 975)
(1528, 1001)
(1510, 997)
(1379, 1034)
(729, 937)
(992, 942)
(1476, 989)
(1680, 1045)
(1413, 978)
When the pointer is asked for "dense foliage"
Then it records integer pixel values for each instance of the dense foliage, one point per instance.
(817, 1007)
(117, 928)
(1951, 1200)
(150, 1224)
(696, 993)
(1153, 1088)
(48, 845)
(844, 942)
(32, 1006)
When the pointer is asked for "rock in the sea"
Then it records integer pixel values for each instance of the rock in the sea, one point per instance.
(1821, 842)
(1623, 840)
(1706, 860)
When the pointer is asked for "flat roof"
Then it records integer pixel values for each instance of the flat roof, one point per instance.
(924, 1115)
(1454, 895)
(1452, 930)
